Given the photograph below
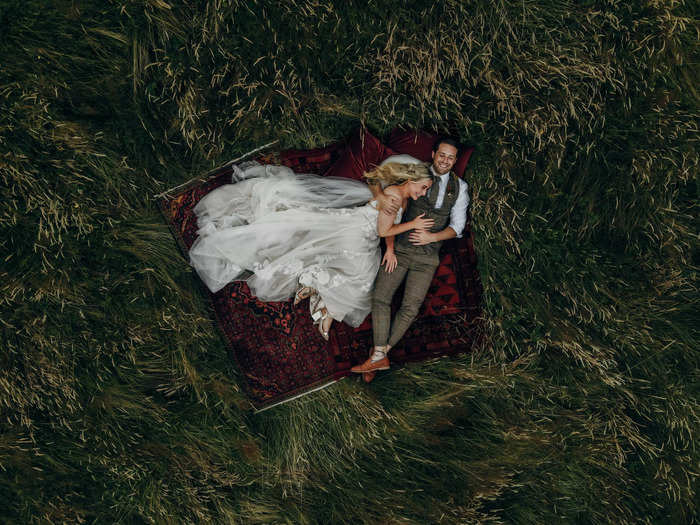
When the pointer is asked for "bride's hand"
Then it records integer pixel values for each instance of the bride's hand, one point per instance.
(419, 223)
(389, 204)
(390, 260)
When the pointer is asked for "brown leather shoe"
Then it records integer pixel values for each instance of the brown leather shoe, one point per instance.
(370, 366)
(368, 376)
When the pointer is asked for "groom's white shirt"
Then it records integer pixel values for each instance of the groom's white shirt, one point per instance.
(458, 214)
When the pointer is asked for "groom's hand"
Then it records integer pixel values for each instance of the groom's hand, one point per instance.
(421, 237)
(389, 204)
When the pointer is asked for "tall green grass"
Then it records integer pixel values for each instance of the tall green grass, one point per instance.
(119, 401)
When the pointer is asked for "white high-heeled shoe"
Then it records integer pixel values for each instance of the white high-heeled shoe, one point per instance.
(319, 313)
(302, 293)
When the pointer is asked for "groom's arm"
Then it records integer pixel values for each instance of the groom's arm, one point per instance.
(388, 204)
(421, 237)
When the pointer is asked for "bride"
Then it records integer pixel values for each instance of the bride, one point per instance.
(281, 231)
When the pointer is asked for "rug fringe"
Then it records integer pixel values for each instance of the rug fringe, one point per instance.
(320, 387)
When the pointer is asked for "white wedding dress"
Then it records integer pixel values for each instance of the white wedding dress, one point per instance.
(290, 229)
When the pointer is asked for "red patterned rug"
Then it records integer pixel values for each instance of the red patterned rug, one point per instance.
(277, 347)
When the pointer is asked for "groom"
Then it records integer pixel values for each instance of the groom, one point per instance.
(417, 253)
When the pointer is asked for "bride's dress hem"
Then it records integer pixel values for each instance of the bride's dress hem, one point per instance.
(290, 229)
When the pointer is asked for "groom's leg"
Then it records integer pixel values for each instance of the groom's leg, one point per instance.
(420, 275)
(385, 286)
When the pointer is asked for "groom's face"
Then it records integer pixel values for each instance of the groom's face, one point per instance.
(444, 157)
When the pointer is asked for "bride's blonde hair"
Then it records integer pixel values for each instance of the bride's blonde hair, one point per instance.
(398, 173)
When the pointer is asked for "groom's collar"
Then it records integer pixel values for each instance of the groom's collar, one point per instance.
(441, 177)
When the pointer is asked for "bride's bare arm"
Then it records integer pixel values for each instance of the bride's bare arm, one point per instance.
(385, 222)
(387, 228)
(389, 261)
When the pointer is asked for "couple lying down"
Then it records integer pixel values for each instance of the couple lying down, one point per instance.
(305, 236)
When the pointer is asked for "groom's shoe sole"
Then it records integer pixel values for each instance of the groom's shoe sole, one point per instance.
(369, 366)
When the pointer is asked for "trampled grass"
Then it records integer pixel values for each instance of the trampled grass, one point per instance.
(119, 402)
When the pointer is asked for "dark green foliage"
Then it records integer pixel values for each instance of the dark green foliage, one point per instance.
(118, 399)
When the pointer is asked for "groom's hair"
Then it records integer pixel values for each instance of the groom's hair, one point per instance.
(446, 140)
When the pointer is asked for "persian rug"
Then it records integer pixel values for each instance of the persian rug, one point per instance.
(275, 345)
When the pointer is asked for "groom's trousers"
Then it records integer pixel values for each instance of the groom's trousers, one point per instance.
(418, 270)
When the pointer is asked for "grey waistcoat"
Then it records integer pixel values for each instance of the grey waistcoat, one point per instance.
(441, 216)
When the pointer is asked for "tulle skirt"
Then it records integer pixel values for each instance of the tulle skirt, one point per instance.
(290, 229)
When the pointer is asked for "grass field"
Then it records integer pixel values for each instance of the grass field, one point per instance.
(118, 399)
